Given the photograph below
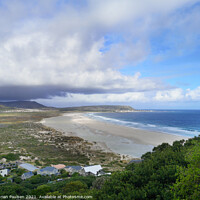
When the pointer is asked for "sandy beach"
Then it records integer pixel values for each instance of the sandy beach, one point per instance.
(117, 138)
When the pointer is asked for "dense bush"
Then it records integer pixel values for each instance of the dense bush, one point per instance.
(187, 185)
(169, 171)
(10, 156)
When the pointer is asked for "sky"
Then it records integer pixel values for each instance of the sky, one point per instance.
(61, 53)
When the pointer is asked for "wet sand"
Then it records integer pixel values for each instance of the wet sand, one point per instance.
(117, 138)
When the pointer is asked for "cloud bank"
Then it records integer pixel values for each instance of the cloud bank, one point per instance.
(77, 49)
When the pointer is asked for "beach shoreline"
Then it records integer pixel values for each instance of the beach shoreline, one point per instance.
(111, 137)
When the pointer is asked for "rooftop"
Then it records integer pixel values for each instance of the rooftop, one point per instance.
(93, 169)
(75, 167)
(28, 174)
(28, 167)
(47, 169)
(59, 166)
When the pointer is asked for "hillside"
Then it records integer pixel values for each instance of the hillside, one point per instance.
(101, 108)
(23, 104)
(2, 108)
(36, 105)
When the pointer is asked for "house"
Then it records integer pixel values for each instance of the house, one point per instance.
(91, 170)
(27, 175)
(48, 171)
(73, 169)
(8, 165)
(4, 172)
(59, 166)
(28, 167)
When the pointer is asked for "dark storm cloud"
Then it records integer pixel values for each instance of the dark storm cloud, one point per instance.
(49, 91)
(36, 92)
(28, 92)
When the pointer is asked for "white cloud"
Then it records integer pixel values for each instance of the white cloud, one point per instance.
(178, 95)
(164, 98)
(49, 45)
(193, 94)
(170, 95)
(95, 99)
(107, 98)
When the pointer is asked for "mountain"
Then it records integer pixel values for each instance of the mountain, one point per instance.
(23, 104)
(104, 108)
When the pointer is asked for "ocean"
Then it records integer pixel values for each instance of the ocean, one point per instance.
(176, 122)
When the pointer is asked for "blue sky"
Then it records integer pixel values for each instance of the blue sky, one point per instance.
(70, 53)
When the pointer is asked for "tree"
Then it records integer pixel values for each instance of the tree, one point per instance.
(12, 189)
(38, 179)
(187, 185)
(17, 180)
(11, 156)
(98, 183)
(42, 190)
(75, 186)
(150, 179)
(1, 179)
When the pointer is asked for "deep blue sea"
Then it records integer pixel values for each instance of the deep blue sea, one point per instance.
(177, 122)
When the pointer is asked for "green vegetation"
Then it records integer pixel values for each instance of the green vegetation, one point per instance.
(105, 108)
(4, 108)
(47, 185)
(30, 144)
(42, 146)
(10, 156)
(169, 172)
(187, 185)
(13, 117)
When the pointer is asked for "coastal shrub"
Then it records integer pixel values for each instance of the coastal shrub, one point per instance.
(168, 172)
(38, 179)
(64, 174)
(12, 189)
(38, 163)
(17, 180)
(166, 165)
(42, 190)
(55, 193)
(18, 171)
(88, 180)
(76, 174)
(99, 182)
(187, 185)
(1, 179)
(75, 186)
(10, 156)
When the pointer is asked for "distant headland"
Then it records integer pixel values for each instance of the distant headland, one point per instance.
(36, 105)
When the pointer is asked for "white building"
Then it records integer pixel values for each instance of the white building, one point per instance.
(92, 170)
(4, 172)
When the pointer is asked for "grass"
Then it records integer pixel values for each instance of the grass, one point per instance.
(20, 134)
(19, 138)
(21, 117)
